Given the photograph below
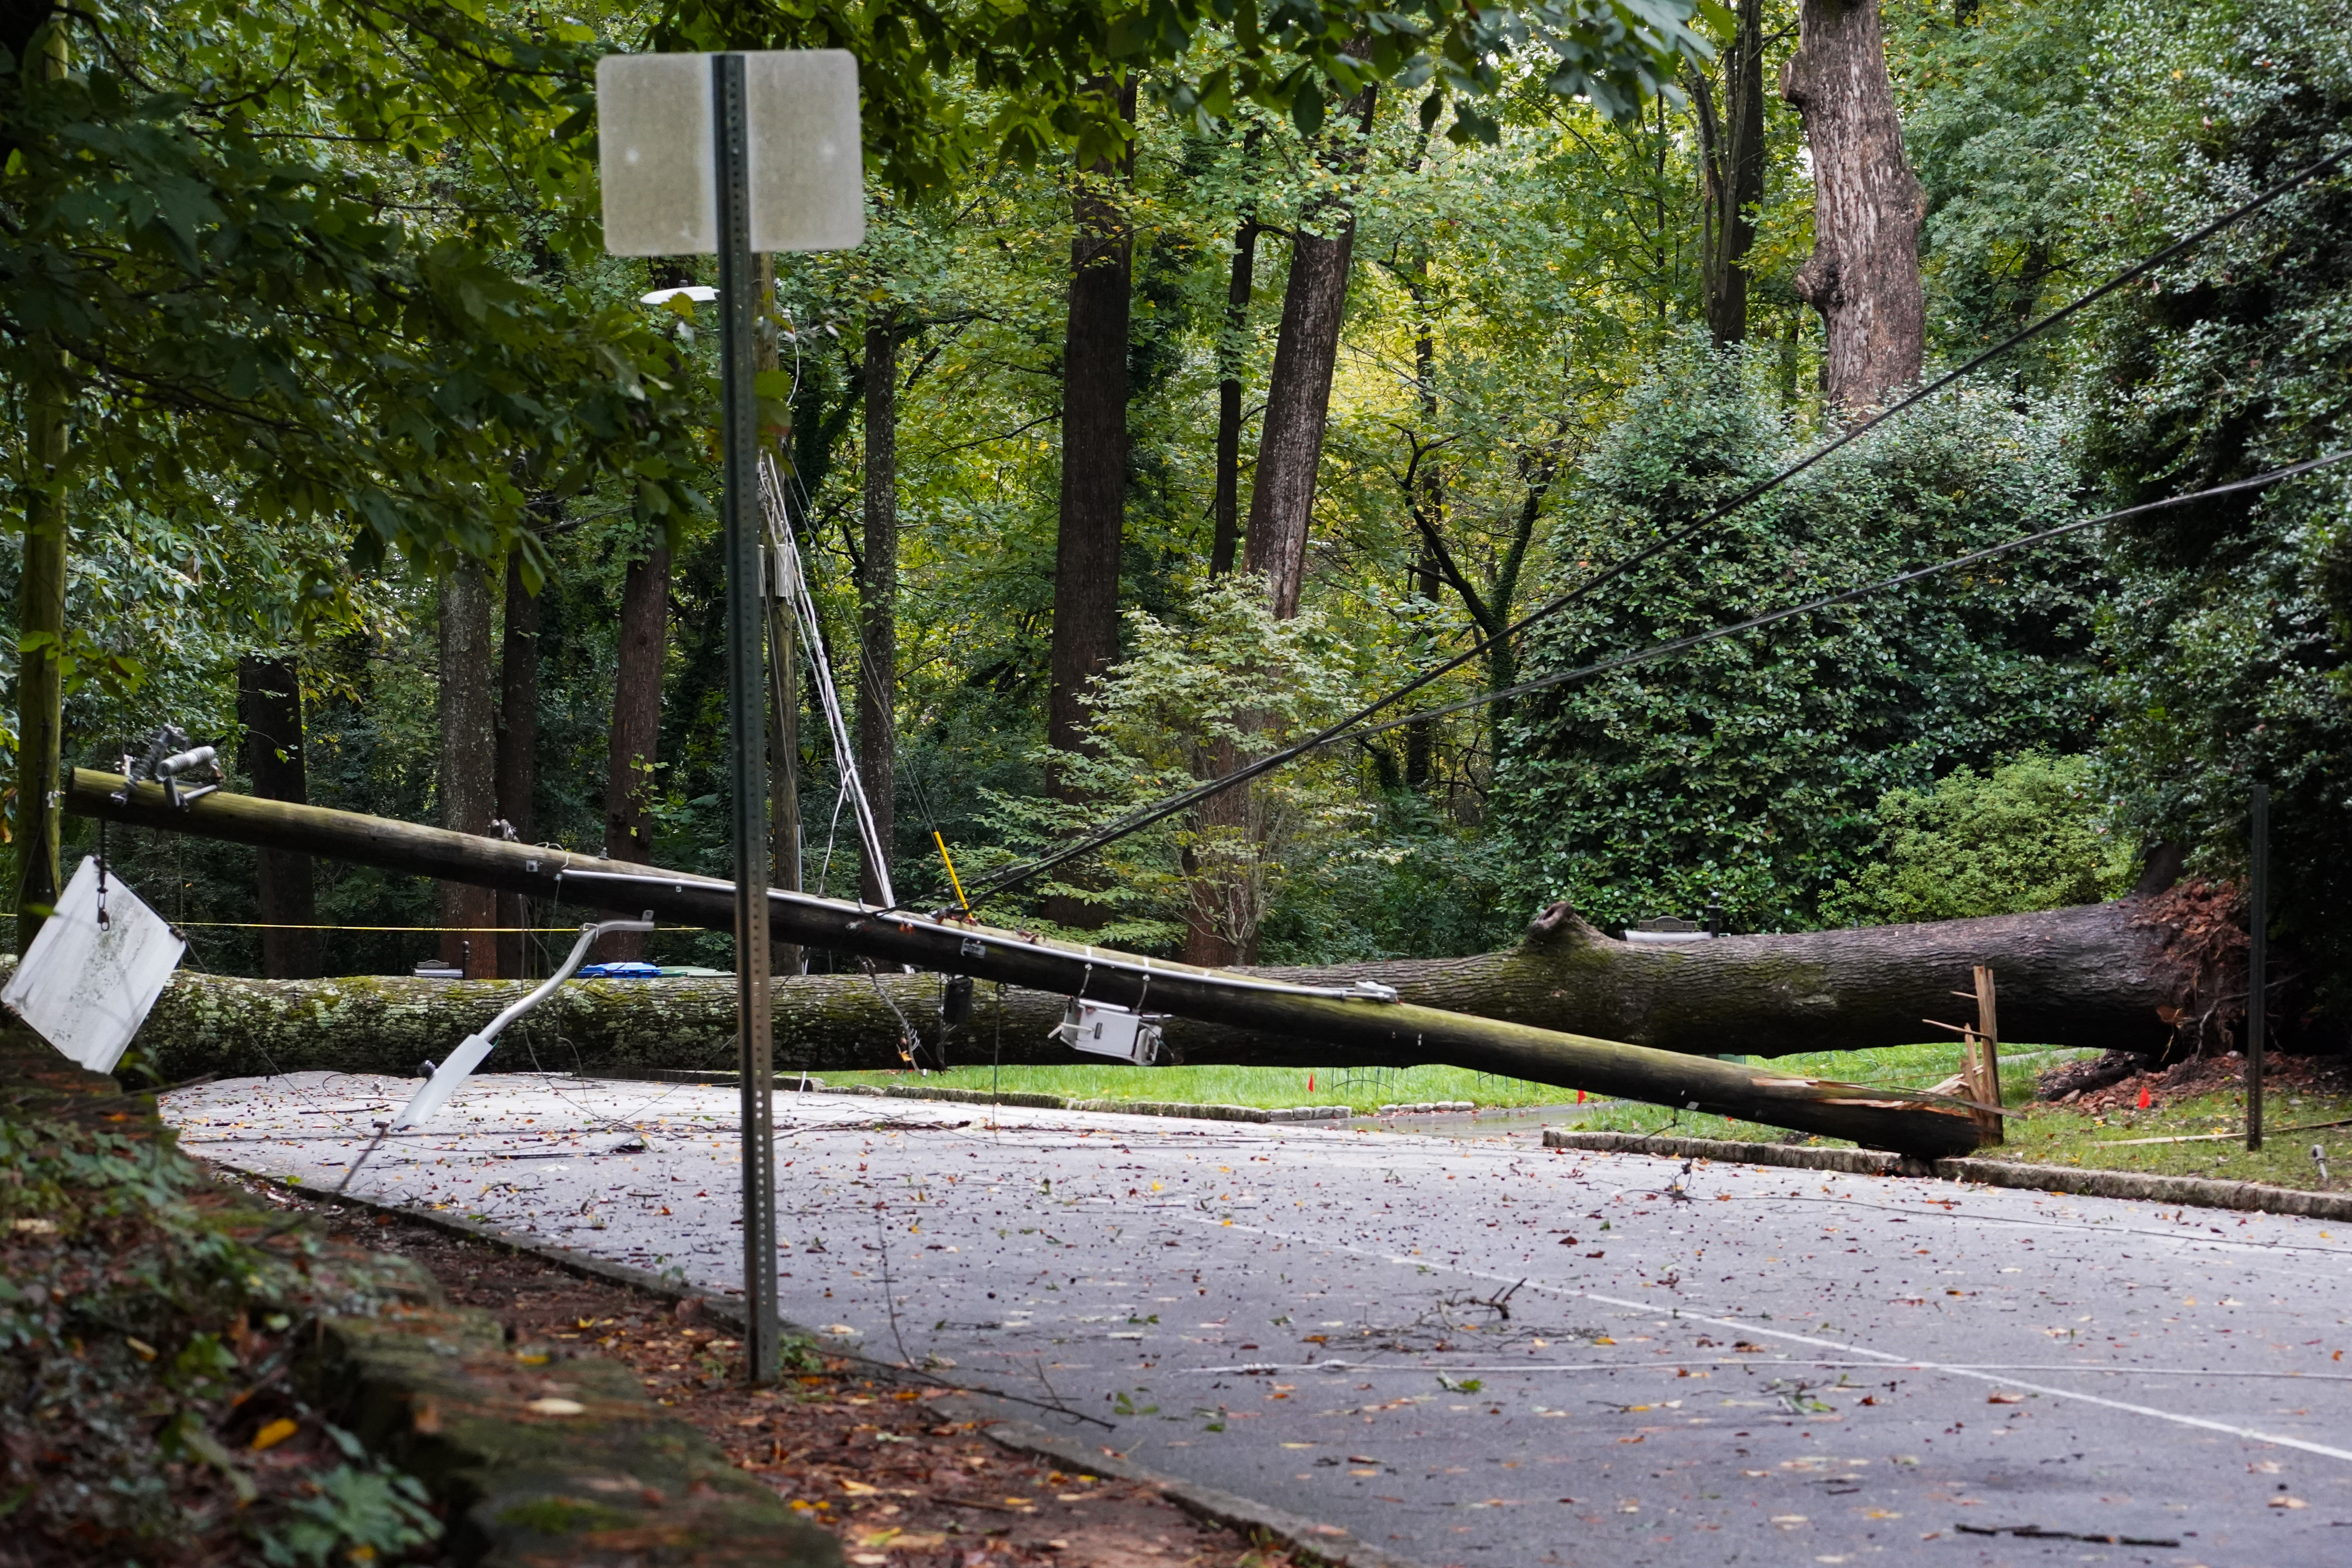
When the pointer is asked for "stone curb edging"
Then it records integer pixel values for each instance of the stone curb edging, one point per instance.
(1852, 1161)
(1323, 1542)
(1326, 1543)
(2193, 1192)
(791, 1081)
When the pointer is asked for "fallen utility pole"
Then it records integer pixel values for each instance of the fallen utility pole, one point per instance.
(1357, 1017)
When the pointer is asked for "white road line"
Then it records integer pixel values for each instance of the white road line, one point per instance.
(1875, 1358)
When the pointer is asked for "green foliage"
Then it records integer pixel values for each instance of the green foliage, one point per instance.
(246, 252)
(147, 1331)
(1228, 680)
(2232, 620)
(1749, 767)
(2031, 835)
(1040, 68)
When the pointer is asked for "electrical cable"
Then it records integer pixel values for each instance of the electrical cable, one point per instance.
(1356, 728)
(1830, 600)
(1347, 728)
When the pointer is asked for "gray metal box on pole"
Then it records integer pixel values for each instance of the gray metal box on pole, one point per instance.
(738, 154)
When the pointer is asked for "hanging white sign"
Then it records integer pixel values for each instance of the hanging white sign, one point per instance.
(94, 971)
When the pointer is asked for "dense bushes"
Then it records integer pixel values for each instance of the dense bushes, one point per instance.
(2232, 620)
(1750, 766)
(2032, 835)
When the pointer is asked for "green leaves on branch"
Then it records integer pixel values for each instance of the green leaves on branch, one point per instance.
(1037, 67)
(277, 270)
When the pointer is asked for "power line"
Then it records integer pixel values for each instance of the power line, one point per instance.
(1830, 601)
(1013, 875)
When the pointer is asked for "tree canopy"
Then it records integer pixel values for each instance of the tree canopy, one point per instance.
(321, 291)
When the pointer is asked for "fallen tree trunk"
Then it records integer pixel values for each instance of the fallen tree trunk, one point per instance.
(201, 1018)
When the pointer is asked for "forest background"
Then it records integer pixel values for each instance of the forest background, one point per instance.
(405, 498)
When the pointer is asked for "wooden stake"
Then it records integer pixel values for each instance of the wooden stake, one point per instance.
(1986, 1053)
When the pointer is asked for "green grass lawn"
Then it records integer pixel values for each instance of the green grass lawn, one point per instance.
(1359, 1089)
(2041, 1134)
(2057, 1135)
(1365, 1089)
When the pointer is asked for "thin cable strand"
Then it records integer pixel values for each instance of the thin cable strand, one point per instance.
(1012, 877)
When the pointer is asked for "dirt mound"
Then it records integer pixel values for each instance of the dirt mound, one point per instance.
(2206, 1075)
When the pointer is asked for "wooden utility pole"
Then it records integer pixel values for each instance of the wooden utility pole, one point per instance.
(1348, 1015)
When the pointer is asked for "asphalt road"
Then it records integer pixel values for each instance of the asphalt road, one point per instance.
(1473, 1350)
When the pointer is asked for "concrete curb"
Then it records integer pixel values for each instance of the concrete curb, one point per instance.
(2193, 1192)
(1323, 1542)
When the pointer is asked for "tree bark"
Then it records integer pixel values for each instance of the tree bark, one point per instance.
(2112, 977)
(269, 706)
(1298, 391)
(469, 761)
(1732, 157)
(41, 586)
(1863, 274)
(1227, 510)
(877, 600)
(1087, 553)
(1232, 354)
(1094, 449)
(633, 747)
(1421, 736)
(517, 749)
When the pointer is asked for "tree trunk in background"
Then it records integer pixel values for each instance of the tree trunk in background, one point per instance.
(1094, 469)
(269, 706)
(1732, 158)
(1298, 392)
(469, 761)
(1227, 510)
(1864, 275)
(1420, 737)
(40, 587)
(635, 740)
(1233, 361)
(517, 749)
(878, 598)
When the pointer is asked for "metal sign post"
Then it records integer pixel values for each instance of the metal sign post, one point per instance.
(776, 167)
(2258, 952)
(747, 710)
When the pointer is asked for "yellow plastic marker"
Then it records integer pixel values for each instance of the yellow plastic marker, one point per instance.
(950, 861)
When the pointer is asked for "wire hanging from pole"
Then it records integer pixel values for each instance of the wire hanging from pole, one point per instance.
(1356, 724)
(791, 584)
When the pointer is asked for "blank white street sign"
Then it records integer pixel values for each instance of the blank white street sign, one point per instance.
(86, 988)
(659, 166)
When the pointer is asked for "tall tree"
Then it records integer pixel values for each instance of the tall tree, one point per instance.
(41, 583)
(1863, 274)
(269, 706)
(469, 760)
(877, 596)
(518, 779)
(1094, 438)
(633, 747)
(1298, 392)
(1232, 354)
(1731, 156)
